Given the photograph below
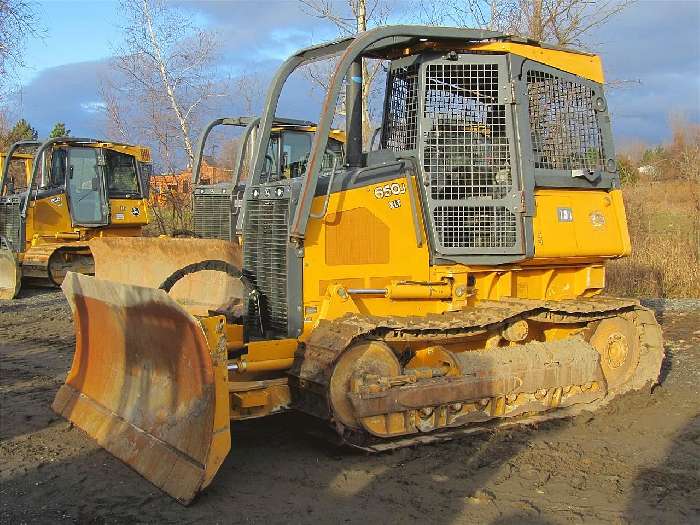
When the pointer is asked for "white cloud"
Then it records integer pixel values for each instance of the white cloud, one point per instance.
(93, 107)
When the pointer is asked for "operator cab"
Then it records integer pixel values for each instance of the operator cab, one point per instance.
(65, 183)
(288, 154)
(90, 177)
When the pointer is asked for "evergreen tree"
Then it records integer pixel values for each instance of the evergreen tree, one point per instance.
(22, 130)
(59, 130)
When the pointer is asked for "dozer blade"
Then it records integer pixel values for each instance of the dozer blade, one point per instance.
(148, 383)
(10, 275)
(150, 261)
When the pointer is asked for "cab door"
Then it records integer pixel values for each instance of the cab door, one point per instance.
(85, 187)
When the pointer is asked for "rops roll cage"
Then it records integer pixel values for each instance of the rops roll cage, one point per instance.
(250, 124)
(378, 43)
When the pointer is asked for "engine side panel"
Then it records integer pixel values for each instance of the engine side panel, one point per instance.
(571, 223)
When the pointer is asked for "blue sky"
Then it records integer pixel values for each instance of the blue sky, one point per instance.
(654, 45)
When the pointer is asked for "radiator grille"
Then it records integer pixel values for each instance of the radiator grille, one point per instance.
(563, 123)
(475, 226)
(10, 222)
(212, 216)
(265, 259)
(401, 122)
(467, 155)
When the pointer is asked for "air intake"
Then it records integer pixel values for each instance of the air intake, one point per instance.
(10, 221)
(265, 261)
(215, 210)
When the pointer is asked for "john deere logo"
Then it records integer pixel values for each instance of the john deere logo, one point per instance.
(135, 212)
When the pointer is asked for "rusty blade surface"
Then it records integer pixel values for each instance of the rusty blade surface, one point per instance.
(149, 261)
(144, 384)
(10, 275)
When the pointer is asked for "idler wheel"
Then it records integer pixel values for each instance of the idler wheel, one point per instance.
(370, 357)
(617, 343)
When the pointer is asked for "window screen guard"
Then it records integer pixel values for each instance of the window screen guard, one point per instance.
(400, 131)
(467, 149)
(569, 127)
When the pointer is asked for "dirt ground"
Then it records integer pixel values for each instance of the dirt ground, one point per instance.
(635, 461)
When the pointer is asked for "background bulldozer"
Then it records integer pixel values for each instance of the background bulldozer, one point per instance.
(216, 206)
(447, 282)
(76, 189)
(20, 166)
(216, 217)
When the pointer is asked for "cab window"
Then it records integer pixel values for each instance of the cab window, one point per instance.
(334, 151)
(57, 174)
(271, 166)
(296, 147)
(122, 176)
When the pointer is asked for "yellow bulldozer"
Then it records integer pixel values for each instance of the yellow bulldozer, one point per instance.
(76, 189)
(447, 282)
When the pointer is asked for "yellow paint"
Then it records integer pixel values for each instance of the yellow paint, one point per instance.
(48, 216)
(581, 64)
(250, 399)
(343, 247)
(49, 221)
(213, 328)
(568, 263)
(271, 365)
(597, 227)
(273, 349)
(396, 255)
(234, 336)
(142, 153)
(336, 134)
(258, 398)
(120, 212)
(408, 291)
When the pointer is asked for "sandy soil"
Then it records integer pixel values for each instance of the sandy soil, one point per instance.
(635, 461)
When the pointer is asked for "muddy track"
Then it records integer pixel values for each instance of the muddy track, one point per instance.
(313, 368)
(636, 460)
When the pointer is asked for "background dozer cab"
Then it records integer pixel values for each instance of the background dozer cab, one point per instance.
(216, 205)
(20, 166)
(448, 282)
(216, 217)
(76, 189)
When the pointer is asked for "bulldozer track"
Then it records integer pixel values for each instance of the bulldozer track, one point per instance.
(38, 260)
(314, 363)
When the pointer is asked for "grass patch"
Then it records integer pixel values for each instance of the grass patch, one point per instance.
(661, 187)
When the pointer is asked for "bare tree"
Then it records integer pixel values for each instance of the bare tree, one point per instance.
(250, 92)
(351, 17)
(163, 78)
(563, 22)
(18, 22)
(4, 128)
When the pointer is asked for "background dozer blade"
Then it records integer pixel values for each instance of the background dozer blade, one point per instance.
(10, 275)
(149, 261)
(148, 383)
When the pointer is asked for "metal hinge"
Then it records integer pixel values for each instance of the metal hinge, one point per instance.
(513, 99)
